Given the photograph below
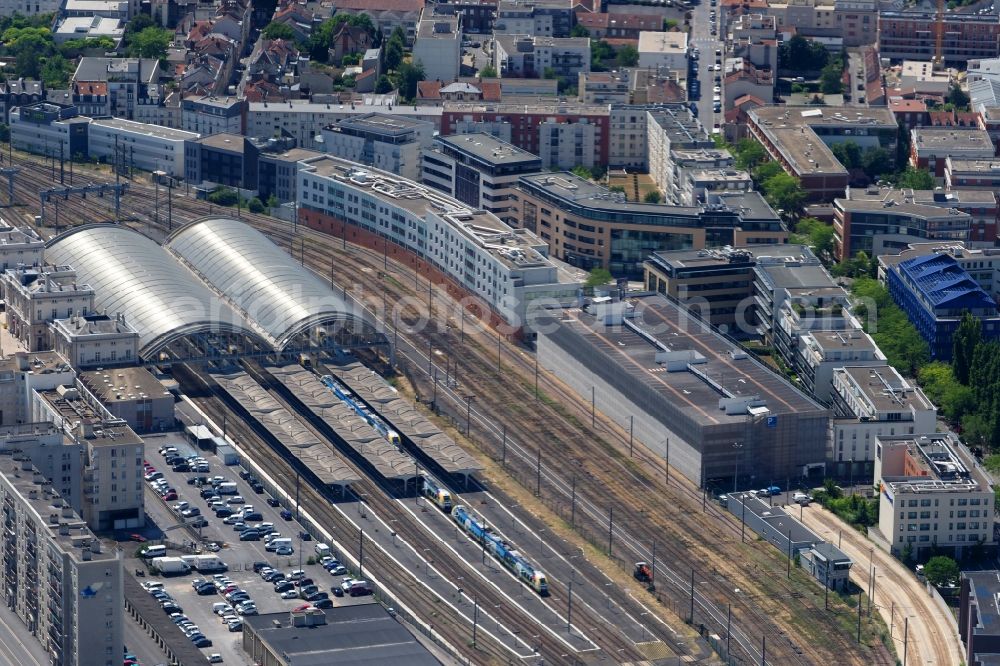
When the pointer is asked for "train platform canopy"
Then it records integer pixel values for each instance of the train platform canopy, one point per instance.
(317, 456)
(402, 417)
(215, 276)
(388, 461)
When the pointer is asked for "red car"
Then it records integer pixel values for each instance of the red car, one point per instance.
(171, 496)
(137, 537)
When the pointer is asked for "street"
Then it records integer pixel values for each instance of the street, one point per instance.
(16, 645)
(901, 599)
(702, 39)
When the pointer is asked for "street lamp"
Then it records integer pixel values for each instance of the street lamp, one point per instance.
(736, 473)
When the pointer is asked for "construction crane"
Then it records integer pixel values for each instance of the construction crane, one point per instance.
(939, 36)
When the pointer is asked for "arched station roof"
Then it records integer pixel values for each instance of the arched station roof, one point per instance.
(275, 294)
(133, 275)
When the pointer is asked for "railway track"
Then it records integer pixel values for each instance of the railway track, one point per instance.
(673, 514)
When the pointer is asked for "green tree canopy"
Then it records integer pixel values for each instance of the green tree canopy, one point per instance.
(277, 30)
(942, 570)
(628, 56)
(383, 85)
(799, 54)
(958, 97)
(953, 399)
(766, 170)
(408, 76)
(892, 331)
(847, 153)
(488, 72)
(652, 197)
(600, 53)
(817, 234)
(917, 179)
(831, 78)
(579, 31)
(152, 42)
(598, 277)
(321, 38)
(967, 337)
(394, 52)
(876, 162)
(255, 205)
(784, 192)
(749, 154)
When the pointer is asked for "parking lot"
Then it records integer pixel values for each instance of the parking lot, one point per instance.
(240, 556)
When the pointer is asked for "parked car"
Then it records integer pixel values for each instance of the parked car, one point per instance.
(273, 501)
(284, 586)
(323, 603)
(284, 551)
(259, 567)
(286, 514)
(252, 516)
(137, 537)
(289, 594)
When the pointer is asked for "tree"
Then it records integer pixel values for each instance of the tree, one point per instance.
(831, 78)
(549, 73)
(958, 97)
(600, 52)
(616, 188)
(749, 154)
(394, 51)
(799, 54)
(582, 172)
(579, 31)
(847, 153)
(652, 197)
(817, 234)
(29, 46)
(598, 277)
(669, 24)
(408, 76)
(953, 399)
(628, 56)
(941, 571)
(223, 196)
(255, 205)
(766, 170)
(350, 59)
(322, 36)
(488, 72)
(383, 85)
(276, 30)
(967, 337)
(917, 179)
(152, 42)
(4, 133)
(784, 192)
(272, 201)
(56, 72)
(876, 161)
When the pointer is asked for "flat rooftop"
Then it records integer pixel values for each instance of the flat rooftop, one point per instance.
(438, 26)
(488, 148)
(950, 199)
(944, 140)
(352, 636)
(688, 363)
(936, 464)
(883, 387)
(891, 207)
(792, 275)
(956, 249)
(37, 494)
(976, 166)
(662, 42)
(122, 125)
(47, 278)
(19, 236)
(985, 585)
(516, 248)
(843, 340)
(219, 101)
(91, 426)
(121, 384)
(379, 123)
(223, 141)
(569, 186)
(774, 516)
(93, 325)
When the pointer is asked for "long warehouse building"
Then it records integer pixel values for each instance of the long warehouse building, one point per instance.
(713, 411)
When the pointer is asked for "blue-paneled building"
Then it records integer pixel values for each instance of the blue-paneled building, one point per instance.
(934, 291)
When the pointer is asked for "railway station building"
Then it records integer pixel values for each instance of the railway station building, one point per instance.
(216, 287)
(692, 396)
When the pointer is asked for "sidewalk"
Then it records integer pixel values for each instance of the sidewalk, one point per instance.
(900, 598)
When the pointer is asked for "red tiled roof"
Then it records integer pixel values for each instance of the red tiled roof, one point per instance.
(90, 88)
(491, 91)
(429, 89)
(590, 21)
(907, 105)
(646, 22)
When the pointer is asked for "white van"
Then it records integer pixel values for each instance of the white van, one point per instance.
(275, 544)
(322, 550)
(154, 551)
(227, 488)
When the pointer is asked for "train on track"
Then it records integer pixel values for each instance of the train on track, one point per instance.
(346, 396)
(437, 493)
(502, 550)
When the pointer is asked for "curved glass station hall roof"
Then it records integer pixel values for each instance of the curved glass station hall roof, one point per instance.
(216, 275)
(277, 296)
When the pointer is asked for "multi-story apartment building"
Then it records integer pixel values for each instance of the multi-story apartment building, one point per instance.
(37, 295)
(856, 21)
(604, 87)
(477, 15)
(222, 159)
(754, 37)
(438, 45)
(869, 402)
(208, 114)
(972, 174)
(127, 80)
(57, 457)
(472, 251)
(820, 352)
(910, 35)
(982, 264)
(146, 147)
(385, 142)
(48, 128)
(546, 18)
(22, 375)
(532, 128)
(532, 56)
(304, 121)
(112, 493)
(29, 7)
(672, 170)
(877, 227)
(932, 497)
(931, 146)
(19, 92)
(668, 131)
(479, 170)
(387, 15)
(799, 138)
(59, 579)
(587, 226)
(663, 49)
(277, 172)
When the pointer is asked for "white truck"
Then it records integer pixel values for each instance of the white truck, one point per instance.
(171, 566)
(206, 563)
(227, 488)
